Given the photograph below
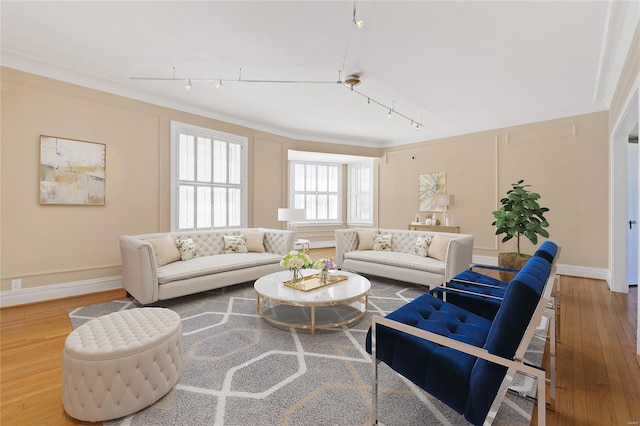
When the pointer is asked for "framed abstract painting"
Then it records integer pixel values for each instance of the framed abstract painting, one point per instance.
(72, 172)
(429, 186)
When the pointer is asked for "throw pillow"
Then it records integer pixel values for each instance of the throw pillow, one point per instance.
(421, 248)
(187, 248)
(365, 239)
(438, 247)
(235, 243)
(165, 250)
(382, 242)
(255, 242)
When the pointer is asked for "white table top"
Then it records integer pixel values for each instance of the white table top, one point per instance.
(272, 287)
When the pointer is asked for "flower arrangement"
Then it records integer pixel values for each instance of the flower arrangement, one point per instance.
(324, 264)
(295, 260)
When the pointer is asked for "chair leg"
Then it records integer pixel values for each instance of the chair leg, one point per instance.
(374, 390)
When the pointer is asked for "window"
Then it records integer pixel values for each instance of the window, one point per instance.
(361, 192)
(208, 178)
(316, 188)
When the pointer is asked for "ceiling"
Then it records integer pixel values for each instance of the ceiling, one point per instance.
(455, 66)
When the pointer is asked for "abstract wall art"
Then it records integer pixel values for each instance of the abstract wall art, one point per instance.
(72, 172)
(430, 185)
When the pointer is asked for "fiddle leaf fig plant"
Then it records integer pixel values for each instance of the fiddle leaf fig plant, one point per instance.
(520, 215)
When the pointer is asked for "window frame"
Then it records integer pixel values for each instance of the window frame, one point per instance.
(354, 192)
(338, 193)
(178, 128)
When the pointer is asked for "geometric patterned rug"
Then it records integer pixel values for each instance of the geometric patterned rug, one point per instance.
(241, 370)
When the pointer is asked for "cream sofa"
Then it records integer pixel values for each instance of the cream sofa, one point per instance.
(454, 250)
(148, 280)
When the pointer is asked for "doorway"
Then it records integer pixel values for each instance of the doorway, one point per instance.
(619, 220)
(633, 179)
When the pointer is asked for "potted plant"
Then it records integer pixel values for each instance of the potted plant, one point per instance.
(520, 215)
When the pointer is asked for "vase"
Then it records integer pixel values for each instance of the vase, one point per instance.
(323, 276)
(297, 275)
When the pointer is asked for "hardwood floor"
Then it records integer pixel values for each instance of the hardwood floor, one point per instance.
(598, 372)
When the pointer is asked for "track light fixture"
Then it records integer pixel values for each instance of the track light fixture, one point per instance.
(349, 82)
(358, 23)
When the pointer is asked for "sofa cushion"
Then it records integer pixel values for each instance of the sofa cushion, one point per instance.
(382, 242)
(402, 260)
(365, 239)
(235, 243)
(438, 247)
(165, 250)
(206, 265)
(255, 242)
(187, 248)
(421, 248)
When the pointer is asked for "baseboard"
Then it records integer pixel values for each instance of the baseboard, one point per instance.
(563, 269)
(58, 291)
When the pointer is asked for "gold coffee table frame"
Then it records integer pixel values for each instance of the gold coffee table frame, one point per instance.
(342, 303)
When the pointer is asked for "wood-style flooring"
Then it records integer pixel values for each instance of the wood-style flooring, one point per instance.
(598, 371)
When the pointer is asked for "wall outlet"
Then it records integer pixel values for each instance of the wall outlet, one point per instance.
(16, 284)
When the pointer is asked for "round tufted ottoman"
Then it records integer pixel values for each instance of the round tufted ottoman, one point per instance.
(119, 363)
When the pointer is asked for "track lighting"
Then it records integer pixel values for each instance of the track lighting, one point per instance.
(349, 82)
(358, 23)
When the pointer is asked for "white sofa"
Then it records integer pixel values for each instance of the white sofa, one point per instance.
(456, 251)
(211, 269)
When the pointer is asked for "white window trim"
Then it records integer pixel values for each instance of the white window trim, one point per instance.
(176, 129)
(351, 196)
(292, 193)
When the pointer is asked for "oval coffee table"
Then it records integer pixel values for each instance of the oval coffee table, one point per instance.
(333, 305)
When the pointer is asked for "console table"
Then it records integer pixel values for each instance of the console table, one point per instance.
(436, 228)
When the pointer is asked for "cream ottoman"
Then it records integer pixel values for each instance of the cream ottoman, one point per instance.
(120, 363)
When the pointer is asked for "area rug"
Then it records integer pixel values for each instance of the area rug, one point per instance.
(240, 370)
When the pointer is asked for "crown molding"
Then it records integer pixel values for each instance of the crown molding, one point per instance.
(44, 69)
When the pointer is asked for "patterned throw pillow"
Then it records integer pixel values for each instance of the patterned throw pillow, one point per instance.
(422, 246)
(382, 242)
(187, 248)
(165, 250)
(235, 244)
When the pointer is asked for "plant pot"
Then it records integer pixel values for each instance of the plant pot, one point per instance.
(511, 261)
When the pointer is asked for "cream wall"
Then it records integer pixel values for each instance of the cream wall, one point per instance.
(44, 245)
(565, 160)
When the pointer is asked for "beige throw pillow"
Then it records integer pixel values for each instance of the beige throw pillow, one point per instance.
(255, 242)
(365, 239)
(382, 242)
(438, 247)
(187, 248)
(165, 250)
(235, 243)
(421, 248)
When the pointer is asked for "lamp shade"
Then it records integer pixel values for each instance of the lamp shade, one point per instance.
(290, 215)
(444, 200)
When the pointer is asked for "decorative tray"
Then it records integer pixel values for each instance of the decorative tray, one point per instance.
(313, 282)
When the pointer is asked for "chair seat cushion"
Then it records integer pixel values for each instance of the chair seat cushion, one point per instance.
(441, 371)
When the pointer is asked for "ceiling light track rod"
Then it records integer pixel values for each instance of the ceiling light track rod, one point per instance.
(349, 82)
